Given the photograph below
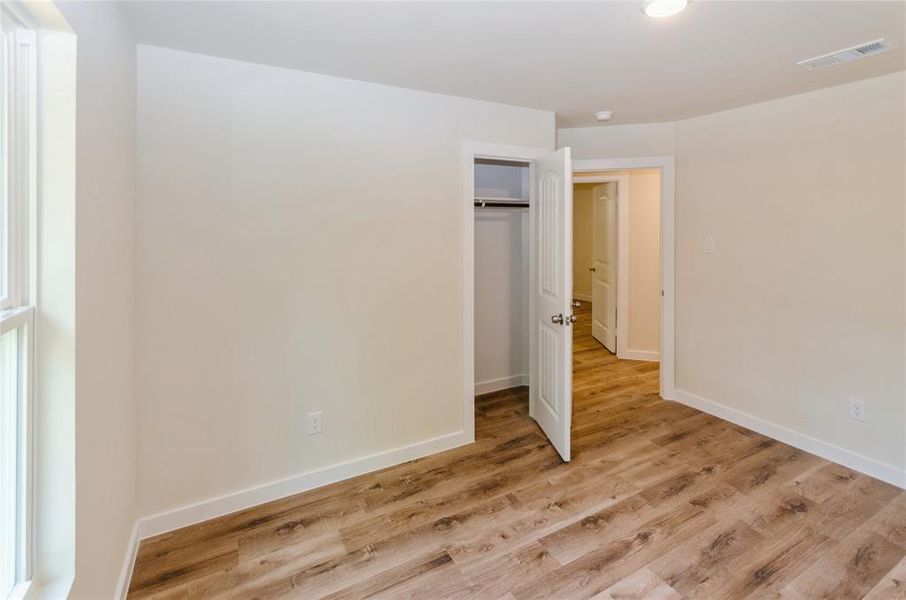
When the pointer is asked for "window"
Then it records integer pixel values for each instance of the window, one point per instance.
(17, 192)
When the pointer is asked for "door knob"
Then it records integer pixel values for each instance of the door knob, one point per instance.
(575, 303)
(558, 319)
(591, 268)
(571, 319)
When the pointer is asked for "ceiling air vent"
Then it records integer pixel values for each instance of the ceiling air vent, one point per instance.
(846, 55)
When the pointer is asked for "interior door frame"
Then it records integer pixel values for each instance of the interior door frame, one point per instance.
(623, 200)
(668, 252)
(471, 151)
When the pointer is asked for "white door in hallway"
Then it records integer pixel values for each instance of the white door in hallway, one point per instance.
(604, 266)
(551, 400)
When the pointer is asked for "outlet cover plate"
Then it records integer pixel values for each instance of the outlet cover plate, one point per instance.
(314, 424)
(857, 409)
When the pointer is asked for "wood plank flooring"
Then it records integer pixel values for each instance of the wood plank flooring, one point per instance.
(660, 501)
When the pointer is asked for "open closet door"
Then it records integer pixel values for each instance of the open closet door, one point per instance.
(552, 287)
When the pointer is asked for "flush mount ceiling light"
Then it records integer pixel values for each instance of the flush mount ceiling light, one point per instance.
(603, 116)
(664, 8)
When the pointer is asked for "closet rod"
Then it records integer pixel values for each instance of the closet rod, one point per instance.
(486, 204)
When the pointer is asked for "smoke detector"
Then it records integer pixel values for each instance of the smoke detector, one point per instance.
(603, 115)
(846, 55)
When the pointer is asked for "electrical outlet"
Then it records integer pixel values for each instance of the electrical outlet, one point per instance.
(315, 423)
(708, 245)
(857, 409)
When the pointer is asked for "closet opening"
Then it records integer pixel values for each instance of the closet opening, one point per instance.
(502, 269)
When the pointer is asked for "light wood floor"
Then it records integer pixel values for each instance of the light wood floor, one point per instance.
(660, 501)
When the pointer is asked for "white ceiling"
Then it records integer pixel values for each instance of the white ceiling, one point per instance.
(572, 58)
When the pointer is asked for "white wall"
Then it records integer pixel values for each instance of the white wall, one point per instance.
(271, 284)
(619, 141)
(644, 333)
(802, 304)
(494, 179)
(501, 298)
(105, 201)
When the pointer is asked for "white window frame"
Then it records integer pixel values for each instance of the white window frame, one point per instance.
(17, 311)
(23, 321)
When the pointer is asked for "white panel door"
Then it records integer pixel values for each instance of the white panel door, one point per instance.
(552, 288)
(604, 267)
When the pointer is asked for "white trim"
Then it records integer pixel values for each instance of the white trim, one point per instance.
(15, 318)
(17, 307)
(858, 462)
(20, 149)
(471, 151)
(624, 199)
(501, 383)
(23, 320)
(229, 503)
(122, 584)
(668, 250)
(52, 188)
(582, 297)
(592, 179)
(648, 355)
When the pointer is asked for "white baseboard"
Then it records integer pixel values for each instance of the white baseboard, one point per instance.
(582, 297)
(502, 383)
(640, 355)
(122, 584)
(863, 464)
(215, 507)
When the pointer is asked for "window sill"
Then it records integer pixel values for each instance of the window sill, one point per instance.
(14, 317)
(55, 588)
(20, 592)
